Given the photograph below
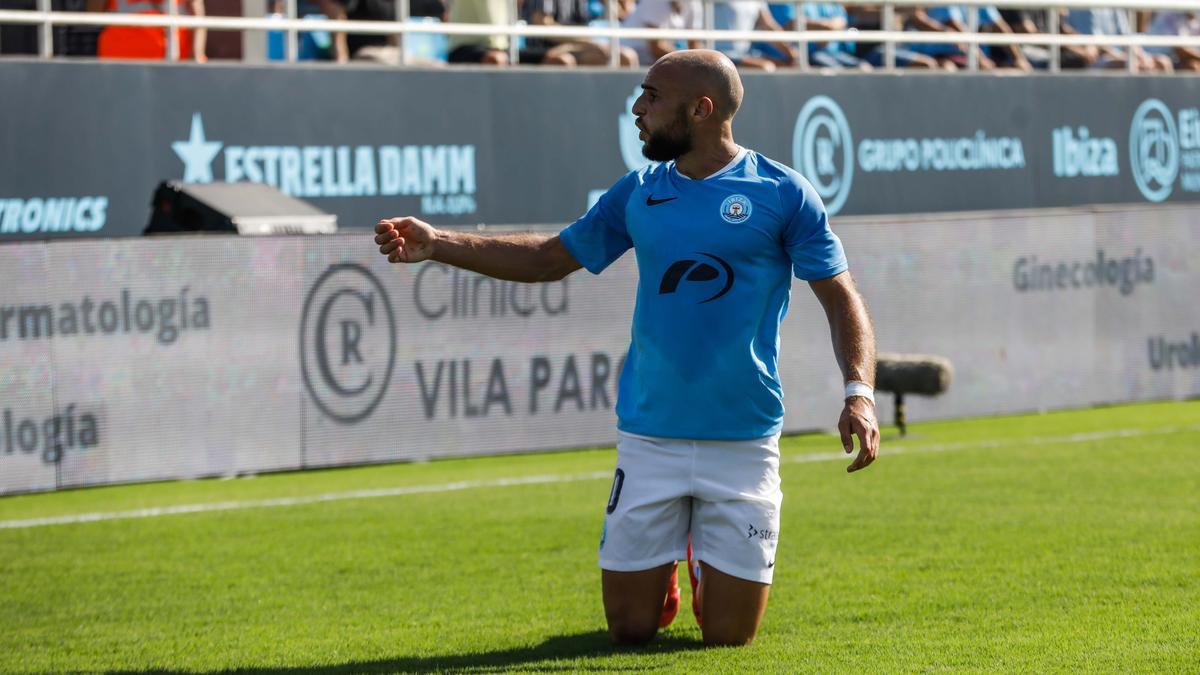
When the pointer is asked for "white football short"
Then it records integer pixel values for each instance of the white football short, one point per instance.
(724, 493)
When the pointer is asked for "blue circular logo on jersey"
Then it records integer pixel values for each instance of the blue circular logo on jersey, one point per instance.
(736, 209)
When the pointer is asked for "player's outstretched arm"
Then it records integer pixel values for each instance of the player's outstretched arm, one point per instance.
(524, 256)
(854, 346)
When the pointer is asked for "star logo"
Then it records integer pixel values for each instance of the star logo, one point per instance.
(197, 153)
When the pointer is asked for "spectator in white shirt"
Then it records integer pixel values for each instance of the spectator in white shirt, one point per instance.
(679, 14)
(745, 15)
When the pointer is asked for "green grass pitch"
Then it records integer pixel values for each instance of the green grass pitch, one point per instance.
(1059, 542)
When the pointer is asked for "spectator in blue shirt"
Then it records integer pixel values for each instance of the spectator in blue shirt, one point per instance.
(817, 16)
(954, 18)
(1111, 22)
(868, 18)
(1034, 21)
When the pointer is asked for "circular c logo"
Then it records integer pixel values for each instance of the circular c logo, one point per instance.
(1154, 150)
(347, 342)
(821, 138)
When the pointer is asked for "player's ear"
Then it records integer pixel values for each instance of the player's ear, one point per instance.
(703, 108)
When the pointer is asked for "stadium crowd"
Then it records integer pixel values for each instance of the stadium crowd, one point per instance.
(147, 43)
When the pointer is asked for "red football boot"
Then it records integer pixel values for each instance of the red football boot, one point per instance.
(671, 604)
(693, 567)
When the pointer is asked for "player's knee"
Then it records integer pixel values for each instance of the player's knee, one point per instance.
(718, 637)
(631, 635)
(732, 632)
(628, 632)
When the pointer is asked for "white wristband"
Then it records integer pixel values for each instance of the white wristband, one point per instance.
(856, 388)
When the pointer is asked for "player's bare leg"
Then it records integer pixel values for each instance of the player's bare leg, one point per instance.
(733, 607)
(633, 603)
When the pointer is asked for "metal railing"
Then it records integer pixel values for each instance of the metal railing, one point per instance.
(46, 19)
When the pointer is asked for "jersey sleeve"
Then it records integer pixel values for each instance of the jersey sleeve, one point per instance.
(815, 251)
(600, 236)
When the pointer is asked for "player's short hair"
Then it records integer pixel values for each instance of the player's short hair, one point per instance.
(713, 75)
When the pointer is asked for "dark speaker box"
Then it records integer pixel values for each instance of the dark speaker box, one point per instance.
(233, 208)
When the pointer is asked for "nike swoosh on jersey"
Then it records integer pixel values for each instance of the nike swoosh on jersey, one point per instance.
(651, 201)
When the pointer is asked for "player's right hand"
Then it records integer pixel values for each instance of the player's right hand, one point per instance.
(858, 419)
(405, 239)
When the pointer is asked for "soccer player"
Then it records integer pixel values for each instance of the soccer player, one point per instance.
(718, 231)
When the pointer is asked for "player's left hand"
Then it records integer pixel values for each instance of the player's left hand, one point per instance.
(858, 419)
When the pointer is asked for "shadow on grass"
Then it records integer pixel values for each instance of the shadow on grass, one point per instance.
(556, 654)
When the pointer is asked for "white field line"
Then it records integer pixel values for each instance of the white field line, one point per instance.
(890, 449)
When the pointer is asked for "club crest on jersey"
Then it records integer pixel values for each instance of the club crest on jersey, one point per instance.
(736, 209)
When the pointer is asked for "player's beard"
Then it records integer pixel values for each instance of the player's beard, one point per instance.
(670, 143)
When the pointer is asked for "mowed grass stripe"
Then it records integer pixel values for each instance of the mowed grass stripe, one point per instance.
(891, 449)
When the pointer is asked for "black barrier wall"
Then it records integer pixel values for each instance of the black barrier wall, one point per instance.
(85, 144)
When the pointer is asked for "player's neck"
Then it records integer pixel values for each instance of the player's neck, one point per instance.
(705, 159)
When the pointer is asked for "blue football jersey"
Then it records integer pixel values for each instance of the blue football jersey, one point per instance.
(715, 259)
